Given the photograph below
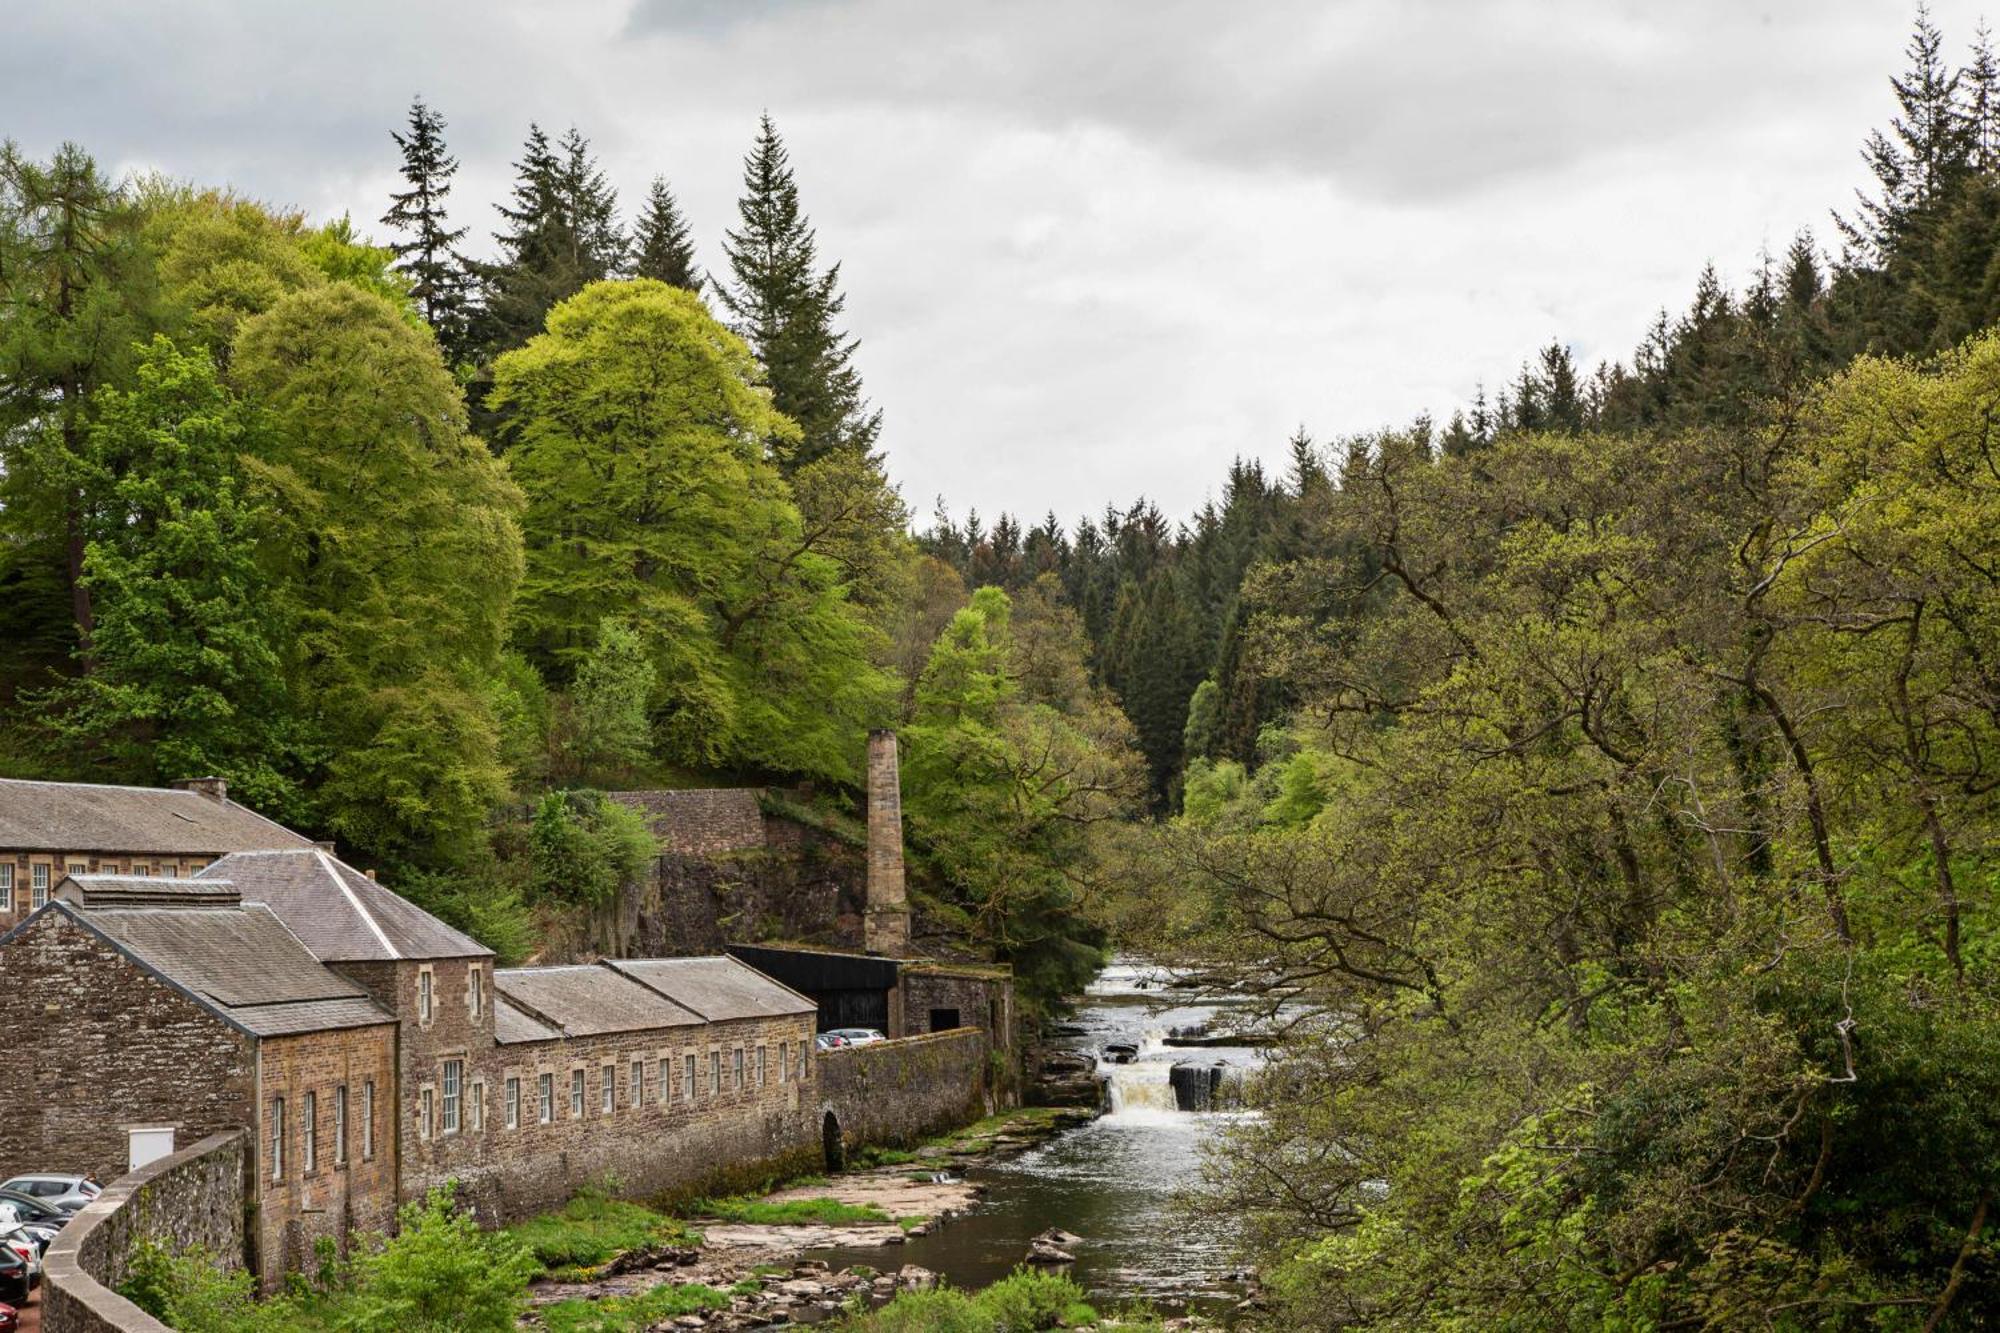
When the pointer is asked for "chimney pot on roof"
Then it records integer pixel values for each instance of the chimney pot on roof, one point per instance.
(325, 845)
(369, 872)
(215, 789)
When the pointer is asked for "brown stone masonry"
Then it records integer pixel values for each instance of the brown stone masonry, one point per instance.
(453, 1031)
(658, 1135)
(886, 927)
(335, 1172)
(102, 1044)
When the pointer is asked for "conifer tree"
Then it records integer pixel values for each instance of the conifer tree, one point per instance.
(663, 243)
(429, 257)
(561, 235)
(1929, 148)
(787, 309)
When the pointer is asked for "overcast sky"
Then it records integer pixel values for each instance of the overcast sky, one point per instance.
(1092, 250)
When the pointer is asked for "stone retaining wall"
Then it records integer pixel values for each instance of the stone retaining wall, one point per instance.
(191, 1200)
(896, 1092)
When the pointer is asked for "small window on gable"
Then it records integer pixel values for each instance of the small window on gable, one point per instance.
(425, 984)
(475, 991)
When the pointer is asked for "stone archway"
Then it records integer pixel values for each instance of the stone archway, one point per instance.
(830, 1142)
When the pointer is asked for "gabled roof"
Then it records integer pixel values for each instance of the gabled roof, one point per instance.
(238, 961)
(587, 1000)
(715, 988)
(87, 817)
(342, 915)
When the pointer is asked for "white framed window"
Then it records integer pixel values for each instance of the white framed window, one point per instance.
(426, 1108)
(666, 1080)
(368, 1121)
(511, 1092)
(805, 1048)
(475, 991)
(576, 1094)
(426, 983)
(340, 1125)
(309, 1130)
(635, 1085)
(77, 868)
(38, 885)
(762, 1052)
(784, 1059)
(736, 1070)
(548, 1091)
(714, 1073)
(687, 1080)
(277, 1138)
(454, 1073)
(170, 871)
(607, 1091)
(7, 887)
(478, 1111)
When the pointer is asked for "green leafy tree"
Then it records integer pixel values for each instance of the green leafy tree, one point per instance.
(644, 444)
(379, 487)
(187, 676)
(584, 848)
(610, 698)
(787, 309)
(440, 1271)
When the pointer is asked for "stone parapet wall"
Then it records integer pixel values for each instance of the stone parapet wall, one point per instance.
(895, 1092)
(191, 1200)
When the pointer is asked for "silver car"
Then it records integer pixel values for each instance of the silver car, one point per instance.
(56, 1189)
(857, 1036)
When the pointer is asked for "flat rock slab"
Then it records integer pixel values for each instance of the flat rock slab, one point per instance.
(889, 1189)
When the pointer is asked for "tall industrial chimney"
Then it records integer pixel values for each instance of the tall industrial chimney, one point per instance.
(885, 924)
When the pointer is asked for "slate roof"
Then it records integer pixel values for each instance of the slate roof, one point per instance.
(87, 817)
(240, 961)
(342, 915)
(715, 988)
(588, 1000)
(511, 1025)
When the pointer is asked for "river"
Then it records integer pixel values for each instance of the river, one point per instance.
(1111, 1181)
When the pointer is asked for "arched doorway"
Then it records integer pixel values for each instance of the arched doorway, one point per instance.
(829, 1135)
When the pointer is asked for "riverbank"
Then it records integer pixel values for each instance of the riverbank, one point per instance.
(747, 1262)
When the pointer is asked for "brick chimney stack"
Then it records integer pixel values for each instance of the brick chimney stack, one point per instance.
(215, 789)
(885, 924)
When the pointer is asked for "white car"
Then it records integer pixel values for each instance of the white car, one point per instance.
(857, 1036)
(57, 1189)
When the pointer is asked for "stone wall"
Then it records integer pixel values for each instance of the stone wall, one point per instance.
(979, 997)
(651, 1145)
(454, 1032)
(135, 1051)
(701, 822)
(191, 1200)
(895, 1092)
(886, 930)
(342, 1189)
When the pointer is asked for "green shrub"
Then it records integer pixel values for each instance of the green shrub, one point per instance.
(439, 1272)
(940, 1311)
(1028, 1301)
(192, 1292)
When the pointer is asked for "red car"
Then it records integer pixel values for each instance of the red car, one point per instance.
(10, 1319)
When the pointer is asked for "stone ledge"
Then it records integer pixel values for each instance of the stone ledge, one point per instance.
(74, 1299)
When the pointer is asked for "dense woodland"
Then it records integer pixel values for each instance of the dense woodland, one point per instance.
(1604, 775)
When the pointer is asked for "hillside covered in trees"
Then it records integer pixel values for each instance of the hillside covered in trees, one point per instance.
(420, 551)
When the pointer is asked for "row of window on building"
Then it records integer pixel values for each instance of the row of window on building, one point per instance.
(41, 877)
(309, 1130)
(455, 1106)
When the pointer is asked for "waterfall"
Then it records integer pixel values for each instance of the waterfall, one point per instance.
(1141, 1086)
(1206, 1087)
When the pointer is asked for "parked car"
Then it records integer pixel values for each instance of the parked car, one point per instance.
(20, 1269)
(10, 1319)
(827, 1041)
(34, 1210)
(22, 1219)
(61, 1189)
(857, 1036)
